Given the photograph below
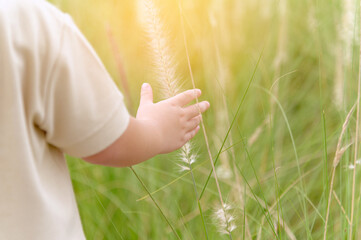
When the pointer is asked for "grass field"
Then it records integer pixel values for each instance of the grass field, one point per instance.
(282, 78)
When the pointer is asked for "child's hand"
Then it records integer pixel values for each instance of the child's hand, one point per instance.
(158, 128)
(172, 122)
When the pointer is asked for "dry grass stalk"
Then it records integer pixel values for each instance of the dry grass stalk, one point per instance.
(342, 209)
(279, 60)
(336, 161)
(202, 122)
(282, 36)
(120, 68)
(281, 55)
(219, 23)
(255, 135)
(224, 170)
(282, 223)
(339, 79)
(356, 138)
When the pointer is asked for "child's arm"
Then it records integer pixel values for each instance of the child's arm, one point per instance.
(158, 128)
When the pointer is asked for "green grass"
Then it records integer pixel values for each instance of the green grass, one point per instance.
(280, 182)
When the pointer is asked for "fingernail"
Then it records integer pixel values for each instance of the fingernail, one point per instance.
(145, 85)
(198, 91)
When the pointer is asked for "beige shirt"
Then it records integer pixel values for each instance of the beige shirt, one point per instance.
(55, 97)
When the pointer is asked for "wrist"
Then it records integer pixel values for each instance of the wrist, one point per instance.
(150, 131)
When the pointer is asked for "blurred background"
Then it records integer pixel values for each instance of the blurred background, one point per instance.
(300, 60)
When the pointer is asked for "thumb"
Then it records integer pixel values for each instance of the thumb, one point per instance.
(146, 94)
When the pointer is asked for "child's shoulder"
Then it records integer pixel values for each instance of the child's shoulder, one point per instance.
(31, 23)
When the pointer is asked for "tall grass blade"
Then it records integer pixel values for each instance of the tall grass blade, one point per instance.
(155, 203)
(339, 152)
(203, 127)
(266, 214)
(233, 121)
(296, 156)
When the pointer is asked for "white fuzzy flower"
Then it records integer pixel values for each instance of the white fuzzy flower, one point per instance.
(163, 62)
(224, 219)
(351, 166)
(224, 172)
(187, 158)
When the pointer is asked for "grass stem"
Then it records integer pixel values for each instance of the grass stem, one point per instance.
(356, 141)
(155, 203)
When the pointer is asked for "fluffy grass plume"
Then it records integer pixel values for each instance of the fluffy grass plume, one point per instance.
(187, 158)
(224, 219)
(343, 51)
(164, 65)
(165, 70)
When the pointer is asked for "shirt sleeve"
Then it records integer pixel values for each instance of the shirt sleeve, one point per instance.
(84, 110)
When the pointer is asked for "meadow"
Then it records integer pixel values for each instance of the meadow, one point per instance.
(283, 81)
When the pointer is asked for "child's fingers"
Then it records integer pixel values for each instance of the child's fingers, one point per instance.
(146, 94)
(186, 97)
(194, 122)
(192, 133)
(194, 110)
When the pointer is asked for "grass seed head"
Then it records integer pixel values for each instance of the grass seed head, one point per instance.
(187, 158)
(163, 63)
(224, 172)
(351, 166)
(224, 220)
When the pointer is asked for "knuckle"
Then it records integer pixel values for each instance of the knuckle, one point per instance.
(191, 93)
(182, 113)
(173, 104)
(187, 94)
(193, 123)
